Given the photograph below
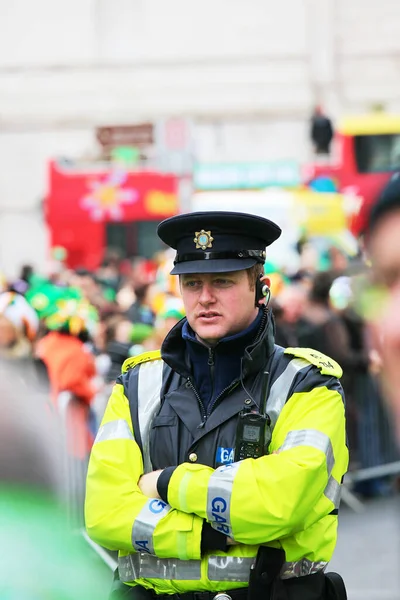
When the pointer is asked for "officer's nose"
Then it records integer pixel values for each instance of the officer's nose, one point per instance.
(207, 294)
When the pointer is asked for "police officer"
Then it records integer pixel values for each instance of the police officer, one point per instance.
(180, 481)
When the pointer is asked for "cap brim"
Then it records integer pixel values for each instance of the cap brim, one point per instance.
(230, 223)
(213, 266)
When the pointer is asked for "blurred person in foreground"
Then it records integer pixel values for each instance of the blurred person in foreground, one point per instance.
(370, 435)
(40, 558)
(196, 500)
(382, 300)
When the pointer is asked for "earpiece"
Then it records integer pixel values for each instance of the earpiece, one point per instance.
(262, 291)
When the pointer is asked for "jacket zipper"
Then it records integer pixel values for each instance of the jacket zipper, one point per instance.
(206, 414)
(211, 364)
(230, 387)
(235, 383)
(189, 384)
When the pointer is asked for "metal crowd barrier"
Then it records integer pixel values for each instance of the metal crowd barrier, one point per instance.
(74, 431)
(375, 459)
(74, 427)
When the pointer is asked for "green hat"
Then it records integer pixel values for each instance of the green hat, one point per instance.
(74, 314)
(140, 332)
(43, 295)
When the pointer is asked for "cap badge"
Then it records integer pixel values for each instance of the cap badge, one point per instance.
(203, 239)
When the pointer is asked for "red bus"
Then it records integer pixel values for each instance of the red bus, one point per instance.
(366, 151)
(90, 208)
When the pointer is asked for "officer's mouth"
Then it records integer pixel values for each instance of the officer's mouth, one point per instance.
(208, 317)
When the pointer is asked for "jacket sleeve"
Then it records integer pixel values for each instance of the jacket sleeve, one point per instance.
(118, 516)
(260, 500)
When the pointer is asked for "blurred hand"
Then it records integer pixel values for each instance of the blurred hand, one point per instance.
(148, 484)
(231, 542)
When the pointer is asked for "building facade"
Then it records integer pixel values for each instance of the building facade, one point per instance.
(247, 73)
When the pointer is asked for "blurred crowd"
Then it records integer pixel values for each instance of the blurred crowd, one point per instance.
(76, 326)
(64, 338)
(72, 331)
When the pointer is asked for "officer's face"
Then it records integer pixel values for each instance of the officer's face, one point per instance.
(384, 249)
(218, 304)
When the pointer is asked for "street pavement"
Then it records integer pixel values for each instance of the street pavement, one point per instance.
(367, 554)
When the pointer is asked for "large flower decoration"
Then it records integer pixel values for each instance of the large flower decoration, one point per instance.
(108, 196)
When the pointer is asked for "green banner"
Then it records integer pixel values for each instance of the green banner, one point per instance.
(246, 176)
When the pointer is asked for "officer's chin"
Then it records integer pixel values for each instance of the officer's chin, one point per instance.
(210, 336)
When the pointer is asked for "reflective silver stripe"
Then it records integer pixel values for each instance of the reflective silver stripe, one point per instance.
(315, 439)
(229, 568)
(300, 568)
(333, 490)
(219, 498)
(145, 523)
(149, 387)
(146, 566)
(219, 568)
(280, 388)
(114, 430)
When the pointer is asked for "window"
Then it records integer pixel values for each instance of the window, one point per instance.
(377, 153)
(134, 238)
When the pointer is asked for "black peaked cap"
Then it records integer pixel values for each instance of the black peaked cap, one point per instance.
(217, 241)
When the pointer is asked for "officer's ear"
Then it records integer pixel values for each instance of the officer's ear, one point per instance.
(263, 291)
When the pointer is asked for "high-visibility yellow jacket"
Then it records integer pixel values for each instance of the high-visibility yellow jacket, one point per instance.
(287, 498)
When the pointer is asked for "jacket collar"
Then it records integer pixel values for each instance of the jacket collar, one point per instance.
(173, 349)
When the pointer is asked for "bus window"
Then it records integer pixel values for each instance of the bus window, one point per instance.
(377, 153)
(148, 242)
(134, 238)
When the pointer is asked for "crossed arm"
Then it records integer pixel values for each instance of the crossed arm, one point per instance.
(199, 508)
(264, 499)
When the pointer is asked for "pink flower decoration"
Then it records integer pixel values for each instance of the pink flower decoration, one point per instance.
(107, 197)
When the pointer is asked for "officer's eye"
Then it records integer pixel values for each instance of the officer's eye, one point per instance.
(191, 283)
(223, 282)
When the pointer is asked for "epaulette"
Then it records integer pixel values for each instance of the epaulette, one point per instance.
(140, 358)
(325, 364)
